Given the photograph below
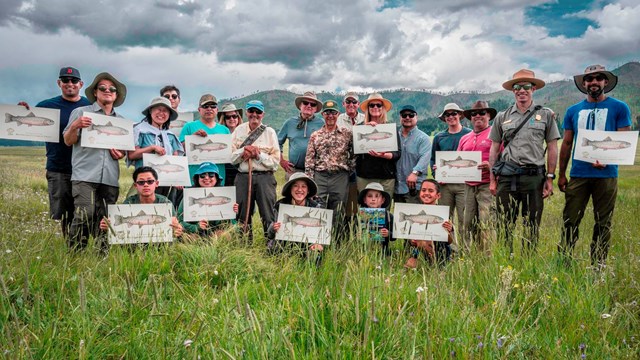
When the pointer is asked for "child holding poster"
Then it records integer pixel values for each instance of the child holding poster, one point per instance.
(437, 252)
(374, 216)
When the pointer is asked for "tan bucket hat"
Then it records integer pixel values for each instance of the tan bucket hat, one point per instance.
(122, 90)
(228, 108)
(375, 96)
(523, 75)
(160, 101)
(309, 96)
(596, 69)
(313, 188)
(451, 106)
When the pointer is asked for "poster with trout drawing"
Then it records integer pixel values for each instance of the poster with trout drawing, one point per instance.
(456, 167)
(183, 118)
(380, 138)
(107, 132)
(213, 148)
(172, 170)
(608, 147)
(140, 223)
(304, 224)
(420, 222)
(36, 124)
(214, 203)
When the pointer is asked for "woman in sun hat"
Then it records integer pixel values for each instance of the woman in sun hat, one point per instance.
(231, 117)
(377, 166)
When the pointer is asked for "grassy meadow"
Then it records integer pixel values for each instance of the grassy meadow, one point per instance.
(220, 298)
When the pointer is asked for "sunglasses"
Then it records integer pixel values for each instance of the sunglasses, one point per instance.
(517, 87)
(209, 174)
(148, 182)
(376, 105)
(227, 117)
(479, 112)
(599, 77)
(448, 114)
(330, 112)
(209, 106)
(308, 103)
(352, 102)
(171, 96)
(408, 115)
(66, 80)
(255, 111)
(111, 89)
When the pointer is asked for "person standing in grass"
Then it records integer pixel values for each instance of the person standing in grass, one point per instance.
(438, 252)
(145, 179)
(231, 117)
(598, 181)
(412, 167)
(207, 176)
(95, 172)
(59, 154)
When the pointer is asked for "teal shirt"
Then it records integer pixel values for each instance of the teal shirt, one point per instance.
(444, 141)
(298, 137)
(190, 129)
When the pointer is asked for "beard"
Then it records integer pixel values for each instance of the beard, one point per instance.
(594, 91)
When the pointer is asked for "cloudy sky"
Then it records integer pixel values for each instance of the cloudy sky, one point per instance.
(234, 47)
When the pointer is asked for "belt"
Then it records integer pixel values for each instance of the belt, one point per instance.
(332, 172)
(257, 172)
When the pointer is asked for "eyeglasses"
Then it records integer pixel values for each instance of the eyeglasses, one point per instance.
(171, 96)
(352, 102)
(330, 112)
(517, 87)
(479, 112)
(255, 111)
(66, 80)
(450, 113)
(209, 174)
(375, 105)
(111, 89)
(234, 116)
(308, 103)
(148, 182)
(599, 77)
(209, 106)
(408, 115)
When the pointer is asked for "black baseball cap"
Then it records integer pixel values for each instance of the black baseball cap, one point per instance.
(69, 72)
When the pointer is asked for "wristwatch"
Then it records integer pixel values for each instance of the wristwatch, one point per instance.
(551, 176)
(416, 172)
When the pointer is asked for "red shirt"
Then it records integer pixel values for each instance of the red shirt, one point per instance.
(477, 142)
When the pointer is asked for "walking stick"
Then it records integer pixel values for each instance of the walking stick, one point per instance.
(248, 205)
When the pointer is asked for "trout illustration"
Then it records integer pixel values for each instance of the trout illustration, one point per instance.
(209, 146)
(304, 220)
(141, 219)
(30, 120)
(108, 129)
(375, 135)
(167, 167)
(606, 144)
(209, 200)
(177, 124)
(458, 162)
(421, 218)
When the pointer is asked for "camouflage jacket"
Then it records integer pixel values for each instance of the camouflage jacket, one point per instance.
(330, 151)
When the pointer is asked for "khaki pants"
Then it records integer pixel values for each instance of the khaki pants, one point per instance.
(479, 211)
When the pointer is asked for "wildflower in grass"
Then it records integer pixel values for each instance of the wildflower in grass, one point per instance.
(453, 353)
(500, 342)
(187, 343)
(480, 345)
(420, 289)
(215, 272)
(516, 285)
(8, 251)
(38, 258)
(378, 267)
(452, 339)
(582, 347)
(606, 316)
(215, 301)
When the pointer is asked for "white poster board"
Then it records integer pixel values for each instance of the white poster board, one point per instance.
(420, 222)
(214, 148)
(172, 170)
(37, 124)
(214, 203)
(107, 132)
(183, 118)
(608, 147)
(380, 138)
(456, 167)
(304, 224)
(140, 223)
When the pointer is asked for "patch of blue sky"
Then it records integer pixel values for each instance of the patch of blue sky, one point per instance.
(392, 4)
(563, 17)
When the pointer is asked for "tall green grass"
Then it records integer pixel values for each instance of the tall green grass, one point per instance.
(220, 298)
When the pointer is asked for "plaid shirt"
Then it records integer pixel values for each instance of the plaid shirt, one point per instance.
(330, 151)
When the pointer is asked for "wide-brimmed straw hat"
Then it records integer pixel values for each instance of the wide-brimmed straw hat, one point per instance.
(309, 96)
(228, 108)
(374, 186)
(449, 107)
(121, 89)
(375, 96)
(596, 69)
(311, 185)
(160, 101)
(523, 75)
(481, 105)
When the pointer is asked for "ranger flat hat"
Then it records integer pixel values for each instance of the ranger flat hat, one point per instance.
(523, 75)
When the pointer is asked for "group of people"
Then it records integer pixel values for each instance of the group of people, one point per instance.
(519, 159)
